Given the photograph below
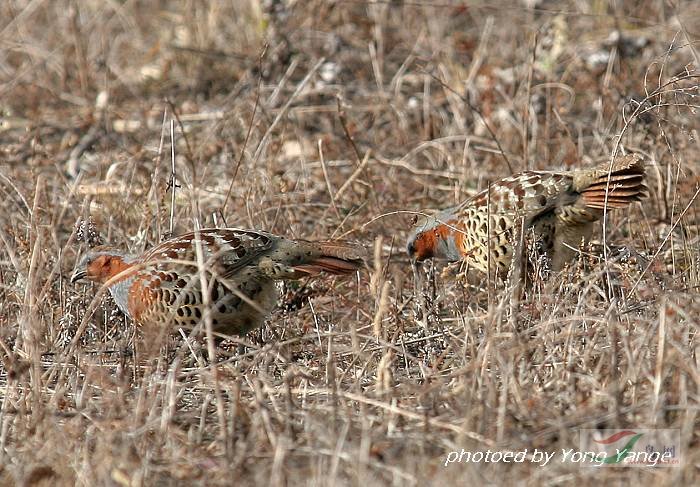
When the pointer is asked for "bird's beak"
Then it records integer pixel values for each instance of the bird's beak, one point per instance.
(78, 275)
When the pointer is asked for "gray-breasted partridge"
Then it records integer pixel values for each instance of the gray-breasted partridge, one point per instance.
(163, 287)
(560, 207)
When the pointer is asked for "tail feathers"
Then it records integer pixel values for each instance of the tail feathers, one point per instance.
(333, 257)
(342, 250)
(624, 183)
(331, 265)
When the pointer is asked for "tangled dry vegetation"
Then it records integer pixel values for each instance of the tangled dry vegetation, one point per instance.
(322, 119)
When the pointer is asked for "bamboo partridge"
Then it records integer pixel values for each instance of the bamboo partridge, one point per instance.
(559, 207)
(163, 287)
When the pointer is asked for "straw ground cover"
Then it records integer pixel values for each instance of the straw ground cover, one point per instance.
(338, 119)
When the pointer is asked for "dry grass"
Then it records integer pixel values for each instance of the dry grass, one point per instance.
(319, 119)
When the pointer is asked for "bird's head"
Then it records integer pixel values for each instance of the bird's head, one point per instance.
(101, 264)
(434, 237)
(422, 241)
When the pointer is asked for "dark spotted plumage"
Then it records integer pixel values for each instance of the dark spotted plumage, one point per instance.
(560, 208)
(163, 287)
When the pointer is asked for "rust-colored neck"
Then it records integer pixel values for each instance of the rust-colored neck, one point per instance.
(105, 267)
(438, 238)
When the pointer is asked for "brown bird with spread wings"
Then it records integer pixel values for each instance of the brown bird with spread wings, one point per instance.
(560, 207)
(163, 287)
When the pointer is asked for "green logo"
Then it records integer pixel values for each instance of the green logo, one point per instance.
(615, 438)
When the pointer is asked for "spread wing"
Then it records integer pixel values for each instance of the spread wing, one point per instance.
(528, 194)
(224, 251)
